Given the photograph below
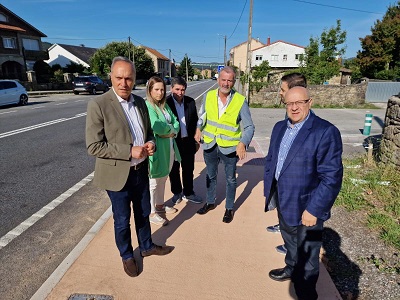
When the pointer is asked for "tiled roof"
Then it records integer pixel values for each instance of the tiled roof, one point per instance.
(83, 53)
(156, 53)
(9, 27)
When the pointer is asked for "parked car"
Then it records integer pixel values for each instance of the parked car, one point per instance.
(12, 92)
(89, 84)
(167, 80)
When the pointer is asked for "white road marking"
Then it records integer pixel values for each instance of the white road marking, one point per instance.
(25, 129)
(8, 112)
(17, 231)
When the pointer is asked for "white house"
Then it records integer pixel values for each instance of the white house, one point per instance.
(238, 53)
(65, 54)
(279, 54)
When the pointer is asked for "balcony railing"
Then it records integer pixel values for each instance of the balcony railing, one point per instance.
(36, 55)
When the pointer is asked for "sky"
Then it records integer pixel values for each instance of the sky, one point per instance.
(197, 28)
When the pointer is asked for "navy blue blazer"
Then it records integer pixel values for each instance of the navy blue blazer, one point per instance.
(311, 176)
(191, 118)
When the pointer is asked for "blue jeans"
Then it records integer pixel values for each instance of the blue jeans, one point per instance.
(212, 157)
(135, 191)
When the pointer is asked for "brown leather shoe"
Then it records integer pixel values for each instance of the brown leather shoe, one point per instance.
(158, 250)
(130, 267)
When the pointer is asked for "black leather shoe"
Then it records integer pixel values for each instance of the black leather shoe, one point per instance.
(206, 208)
(279, 274)
(228, 216)
(158, 250)
(130, 267)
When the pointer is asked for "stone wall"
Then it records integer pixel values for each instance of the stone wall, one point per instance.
(323, 95)
(390, 144)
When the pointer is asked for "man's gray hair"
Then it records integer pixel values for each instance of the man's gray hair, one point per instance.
(229, 70)
(125, 59)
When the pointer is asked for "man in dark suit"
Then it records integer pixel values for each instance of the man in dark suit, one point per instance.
(303, 176)
(184, 108)
(119, 135)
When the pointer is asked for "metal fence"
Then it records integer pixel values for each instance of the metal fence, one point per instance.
(381, 91)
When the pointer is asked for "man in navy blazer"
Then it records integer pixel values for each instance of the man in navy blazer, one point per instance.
(184, 108)
(303, 176)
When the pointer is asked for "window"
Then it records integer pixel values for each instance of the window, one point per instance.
(3, 18)
(284, 57)
(9, 43)
(258, 57)
(298, 56)
(274, 57)
(30, 44)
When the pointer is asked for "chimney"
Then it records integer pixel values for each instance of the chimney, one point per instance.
(268, 41)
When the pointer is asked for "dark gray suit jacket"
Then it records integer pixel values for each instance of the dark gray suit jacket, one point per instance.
(109, 138)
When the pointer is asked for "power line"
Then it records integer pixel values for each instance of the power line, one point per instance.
(238, 20)
(338, 7)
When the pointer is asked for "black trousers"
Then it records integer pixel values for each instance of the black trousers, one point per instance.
(303, 246)
(187, 150)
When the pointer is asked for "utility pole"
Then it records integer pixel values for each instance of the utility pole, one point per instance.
(187, 71)
(129, 47)
(170, 63)
(248, 60)
(225, 51)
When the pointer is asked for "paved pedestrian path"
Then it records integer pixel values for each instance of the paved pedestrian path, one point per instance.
(211, 259)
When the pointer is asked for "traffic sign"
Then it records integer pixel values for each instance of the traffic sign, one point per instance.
(220, 68)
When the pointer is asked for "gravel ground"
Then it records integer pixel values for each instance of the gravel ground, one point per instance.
(360, 264)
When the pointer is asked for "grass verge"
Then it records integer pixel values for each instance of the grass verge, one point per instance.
(375, 191)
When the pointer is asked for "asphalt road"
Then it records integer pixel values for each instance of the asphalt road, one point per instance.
(47, 202)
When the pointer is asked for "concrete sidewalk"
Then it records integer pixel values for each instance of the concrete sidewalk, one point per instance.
(211, 259)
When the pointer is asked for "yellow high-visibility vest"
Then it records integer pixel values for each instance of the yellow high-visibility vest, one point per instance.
(223, 129)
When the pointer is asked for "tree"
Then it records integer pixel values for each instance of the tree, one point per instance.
(43, 71)
(143, 63)
(381, 49)
(354, 66)
(320, 61)
(258, 75)
(182, 68)
(74, 68)
(101, 60)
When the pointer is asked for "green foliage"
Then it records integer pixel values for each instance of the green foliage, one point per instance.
(388, 74)
(75, 68)
(375, 192)
(182, 68)
(101, 61)
(381, 49)
(354, 66)
(143, 63)
(58, 76)
(320, 60)
(43, 71)
(259, 76)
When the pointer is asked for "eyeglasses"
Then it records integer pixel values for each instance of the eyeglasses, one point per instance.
(298, 102)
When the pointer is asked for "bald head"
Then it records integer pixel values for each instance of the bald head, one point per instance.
(298, 104)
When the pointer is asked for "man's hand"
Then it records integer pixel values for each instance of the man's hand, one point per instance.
(197, 135)
(241, 150)
(149, 147)
(138, 152)
(308, 219)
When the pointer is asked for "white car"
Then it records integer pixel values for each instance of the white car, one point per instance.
(12, 92)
